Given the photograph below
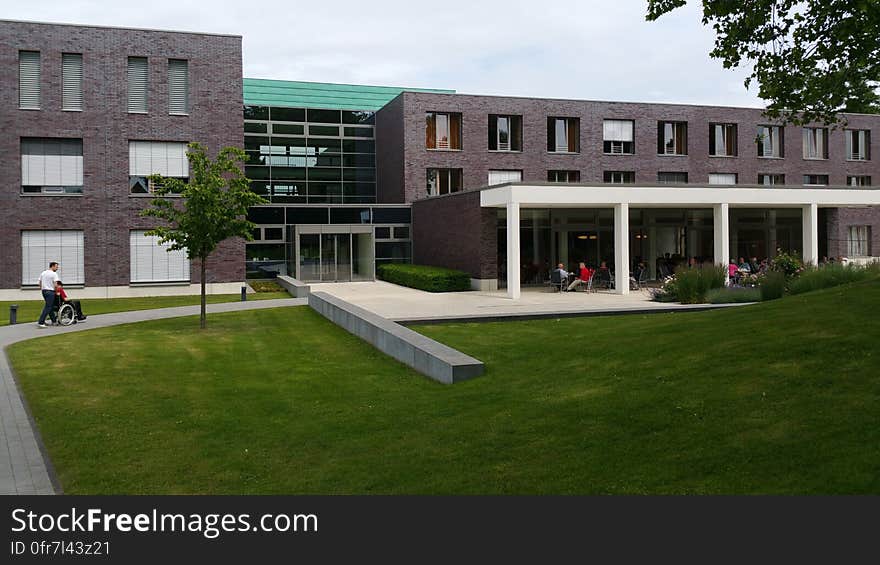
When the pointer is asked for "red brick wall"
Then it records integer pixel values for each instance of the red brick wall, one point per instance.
(106, 212)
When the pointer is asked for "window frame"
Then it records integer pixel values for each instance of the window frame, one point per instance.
(864, 144)
(33, 81)
(863, 242)
(572, 133)
(811, 139)
(432, 143)
(730, 133)
(608, 145)
(777, 142)
(608, 177)
(772, 177)
(514, 133)
(568, 174)
(454, 176)
(679, 136)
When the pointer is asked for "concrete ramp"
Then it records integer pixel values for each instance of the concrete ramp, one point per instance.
(427, 356)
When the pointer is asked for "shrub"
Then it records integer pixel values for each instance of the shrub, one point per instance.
(772, 285)
(733, 295)
(266, 286)
(787, 264)
(422, 277)
(831, 275)
(691, 285)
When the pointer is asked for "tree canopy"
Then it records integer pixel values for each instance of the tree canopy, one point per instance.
(213, 208)
(811, 59)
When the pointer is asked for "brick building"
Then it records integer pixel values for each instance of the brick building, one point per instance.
(87, 113)
(360, 175)
(438, 149)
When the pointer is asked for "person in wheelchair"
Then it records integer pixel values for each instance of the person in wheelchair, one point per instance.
(66, 311)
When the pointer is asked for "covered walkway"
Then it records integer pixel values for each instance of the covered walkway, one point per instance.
(720, 199)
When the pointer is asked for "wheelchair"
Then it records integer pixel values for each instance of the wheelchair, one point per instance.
(63, 312)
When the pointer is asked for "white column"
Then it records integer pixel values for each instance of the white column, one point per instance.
(513, 289)
(721, 223)
(811, 233)
(621, 248)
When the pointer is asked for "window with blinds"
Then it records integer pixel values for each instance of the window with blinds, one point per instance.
(40, 247)
(617, 137)
(151, 261)
(858, 241)
(145, 158)
(51, 166)
(178, 86)
(137, 84)
(502, 176)
(29, 80)
(722, 178)
(71, 81)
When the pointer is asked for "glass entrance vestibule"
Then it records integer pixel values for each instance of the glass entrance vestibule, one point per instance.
(334, 253)
(664, 239)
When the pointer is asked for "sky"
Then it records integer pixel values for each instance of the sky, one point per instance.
(577, 49)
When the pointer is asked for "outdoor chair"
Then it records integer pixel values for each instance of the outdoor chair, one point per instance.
(556, 281)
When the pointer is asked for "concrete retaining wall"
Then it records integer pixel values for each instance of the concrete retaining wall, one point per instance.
(429, 357)
(296, 288)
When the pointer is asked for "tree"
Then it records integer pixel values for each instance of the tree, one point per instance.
(214, 207)
(812, 59)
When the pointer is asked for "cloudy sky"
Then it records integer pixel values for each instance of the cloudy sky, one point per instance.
(584, 49)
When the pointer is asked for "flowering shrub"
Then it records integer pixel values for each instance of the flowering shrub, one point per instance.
(788, 264)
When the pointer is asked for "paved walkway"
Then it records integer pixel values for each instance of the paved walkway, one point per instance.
(403, 304)
(24, 465)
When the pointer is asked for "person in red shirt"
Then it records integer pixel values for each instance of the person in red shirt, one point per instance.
(62, 298)
(584, 275)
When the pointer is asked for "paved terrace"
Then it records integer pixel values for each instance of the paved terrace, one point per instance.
(24, 466)
(403, 304)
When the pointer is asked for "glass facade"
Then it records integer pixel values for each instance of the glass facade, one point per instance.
(665, 239)
(327, 243)
(310, 156)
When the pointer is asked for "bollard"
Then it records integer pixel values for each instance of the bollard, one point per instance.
(13, 314)
(244, 294)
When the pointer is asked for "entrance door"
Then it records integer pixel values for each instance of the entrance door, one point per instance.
(335, 257)
(328, 254)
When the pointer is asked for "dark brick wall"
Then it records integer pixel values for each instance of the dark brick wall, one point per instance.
(476, 160)
(106, 212)
(839, 221)
(390, 152)
(454, 232)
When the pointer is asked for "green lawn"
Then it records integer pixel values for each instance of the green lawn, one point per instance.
(29, 310)
(780, 397)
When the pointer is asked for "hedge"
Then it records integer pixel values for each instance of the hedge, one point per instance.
(423, 277)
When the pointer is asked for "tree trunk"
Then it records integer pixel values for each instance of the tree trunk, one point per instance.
(203, 320)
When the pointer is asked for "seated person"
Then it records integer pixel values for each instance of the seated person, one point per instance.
(732, 271)
(744, 266)
(584, 276)
(603, 275)
(61, 298)
(559, 276)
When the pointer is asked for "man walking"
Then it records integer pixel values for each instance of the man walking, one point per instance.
(48, 278)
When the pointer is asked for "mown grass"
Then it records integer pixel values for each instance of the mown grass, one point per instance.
(779, 397)
(29, 310)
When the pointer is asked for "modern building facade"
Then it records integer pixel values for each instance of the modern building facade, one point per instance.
(442, 153)
(312, 153)
(500, 187)
(88, 113)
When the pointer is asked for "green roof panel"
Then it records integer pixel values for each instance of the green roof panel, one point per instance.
(297, 94)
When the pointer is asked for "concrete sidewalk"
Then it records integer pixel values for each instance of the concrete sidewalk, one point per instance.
(408, 305)
(24, 465)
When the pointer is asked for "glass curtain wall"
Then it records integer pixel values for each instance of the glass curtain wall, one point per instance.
(310, 156)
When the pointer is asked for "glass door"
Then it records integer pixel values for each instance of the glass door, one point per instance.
(335, 256)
